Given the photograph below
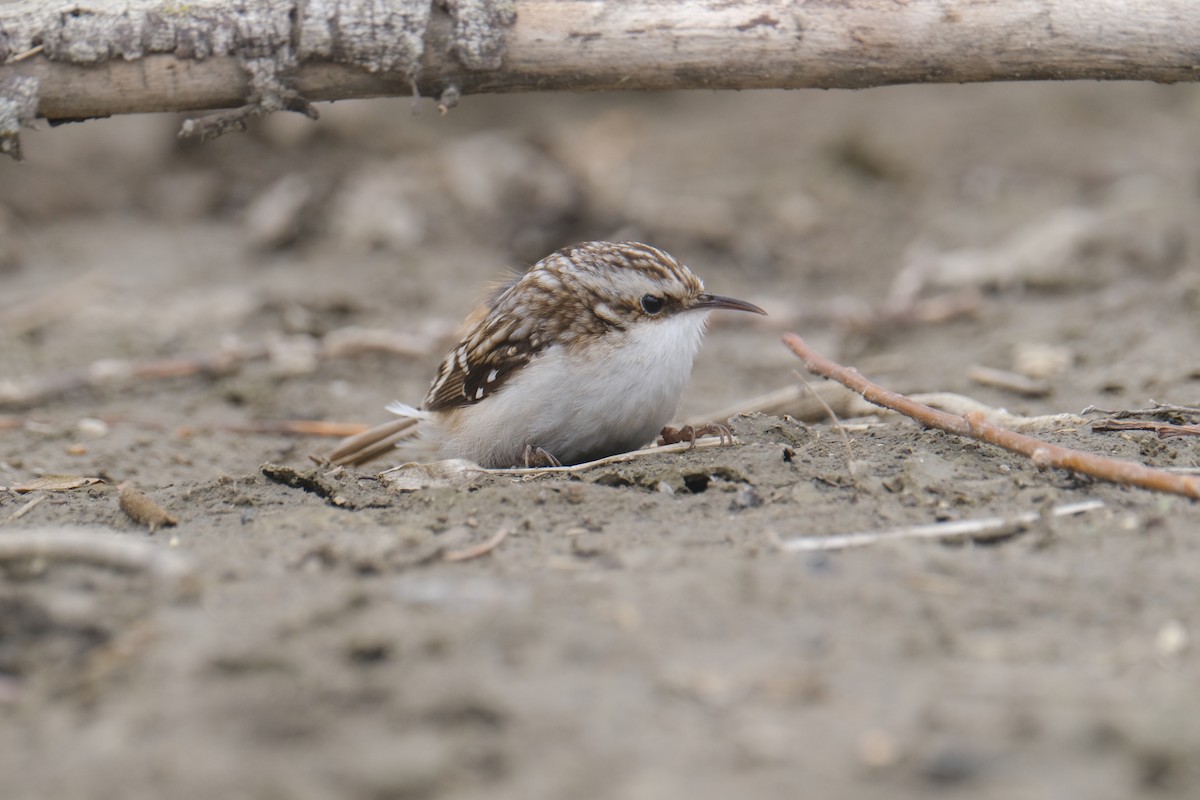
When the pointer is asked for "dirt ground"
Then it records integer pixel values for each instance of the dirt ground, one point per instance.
(639, 633)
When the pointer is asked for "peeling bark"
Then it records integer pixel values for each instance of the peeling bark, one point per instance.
(176, 53)
(18, 106)
(63, 60)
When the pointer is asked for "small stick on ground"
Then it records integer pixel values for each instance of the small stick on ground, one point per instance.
(481, 549)
(25, 509)
(836, 423)
(988, 526)
(30, 53)
(973, 426)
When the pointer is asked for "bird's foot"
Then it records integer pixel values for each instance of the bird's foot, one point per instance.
(537, 458)
(690, 433)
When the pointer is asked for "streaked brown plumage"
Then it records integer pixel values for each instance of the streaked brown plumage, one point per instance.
(624, 318)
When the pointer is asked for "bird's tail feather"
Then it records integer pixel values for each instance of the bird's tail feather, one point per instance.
(373, 442)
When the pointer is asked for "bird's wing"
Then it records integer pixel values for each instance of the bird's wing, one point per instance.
(483, 361)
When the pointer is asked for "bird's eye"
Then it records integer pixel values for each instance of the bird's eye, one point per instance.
(652, 304)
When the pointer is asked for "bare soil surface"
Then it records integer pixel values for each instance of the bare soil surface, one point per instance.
(639, 632)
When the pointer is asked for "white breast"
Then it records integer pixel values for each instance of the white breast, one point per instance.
(579, 405)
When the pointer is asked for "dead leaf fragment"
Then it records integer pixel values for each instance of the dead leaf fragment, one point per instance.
(55, 483)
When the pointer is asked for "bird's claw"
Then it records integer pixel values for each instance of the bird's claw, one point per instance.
(537, 458)
(690, 433)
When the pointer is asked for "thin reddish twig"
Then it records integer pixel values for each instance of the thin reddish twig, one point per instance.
(481, 549)
(295, 427)
(974, 426)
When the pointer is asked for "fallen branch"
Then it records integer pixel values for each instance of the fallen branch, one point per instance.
(988, 527)
(62, 60)
(973, 426)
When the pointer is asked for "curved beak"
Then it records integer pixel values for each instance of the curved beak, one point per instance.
(711, 301)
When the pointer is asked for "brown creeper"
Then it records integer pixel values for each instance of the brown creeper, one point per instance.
(583, 356)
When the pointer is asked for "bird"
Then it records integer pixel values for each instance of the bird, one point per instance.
(583, 356)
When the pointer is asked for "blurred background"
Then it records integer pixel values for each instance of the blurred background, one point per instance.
(162, 302)
(924, 229)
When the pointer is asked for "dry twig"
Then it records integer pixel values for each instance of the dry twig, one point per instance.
(973, 426)
(25, 509)
(988, 526)
(837, 426)
(481, 549)
(30, 53)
